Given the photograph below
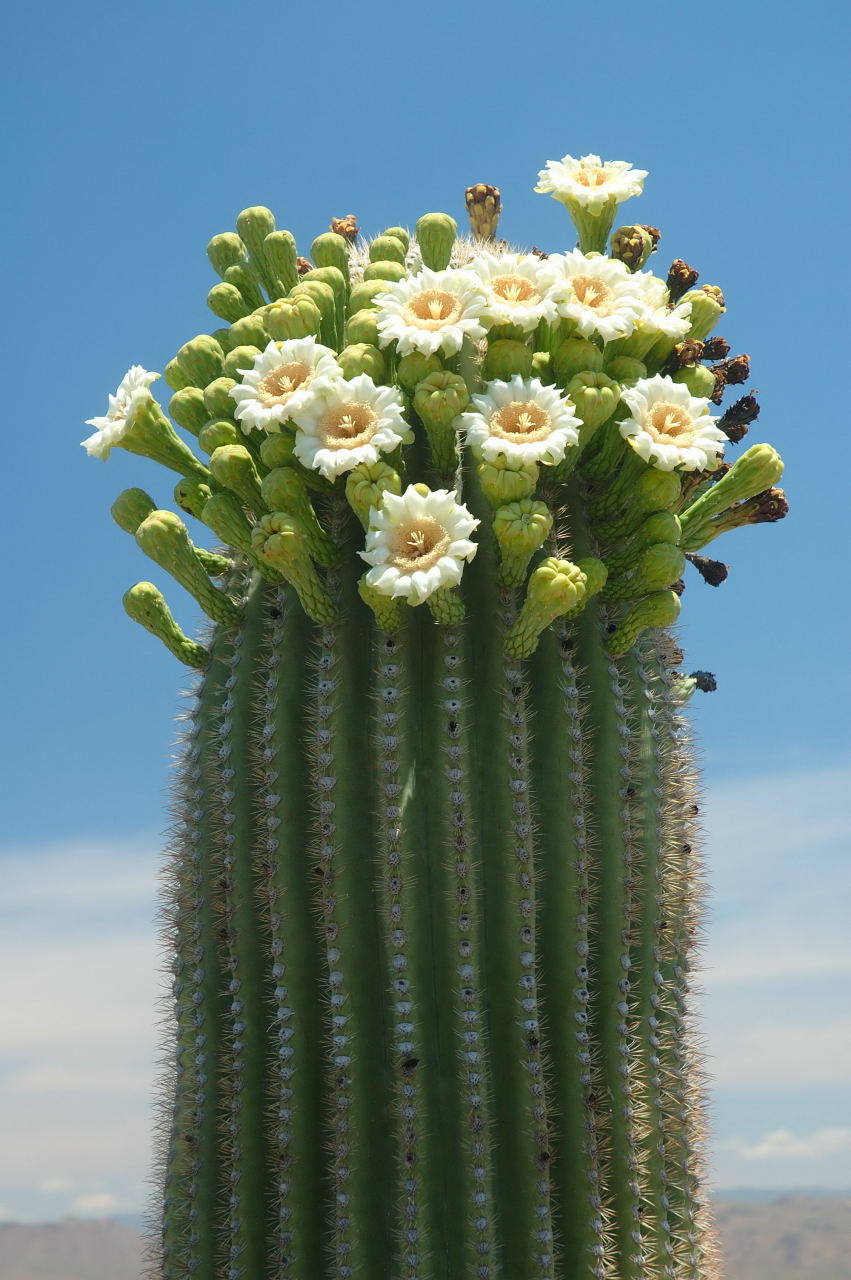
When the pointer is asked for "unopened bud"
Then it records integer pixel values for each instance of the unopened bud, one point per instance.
(361, 357)
(226, 250)
(392, 272)
(331, 250)
(505, 481)
(293, 318)
(557, 587)
(505, 359)
(520, 528)
(146, 605)
(284, 490)
(387, 249)
(280, 540)
(366, 485)
(414, 368)
(238, 360)
(226, 301)
(700, 381)
(216, 434)
(435, 234)
(484, 205)
(707, 305)
(191, 496)
(573, 356)
(655, 568)
(658, 610)
(130, 508)
(233, 467)
(362, 326)
(279, 253)
(401, 234)
(753, 473)
(438, 400)
(164, 537)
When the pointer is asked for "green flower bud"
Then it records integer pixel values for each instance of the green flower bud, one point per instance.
(365, 486)
(284, 490)
(520, 528)
(595, 397)
(279, 539)
(699, 380)
(389, 271)
(175, 376)
(555, 588)
(388, 612)
(332, 276)
(504, 482)
(223, 514)
(659, 610)
(251, 331)
(218, 433)
(233, 466)
(217, 398)
(414, 368)
(446, 606)
(656, 567)
(293, 318)
(146, 605)
(151, 435)
(542, 366)
(164, 537)
(201, 360)
(191, 495)
(243, 279)
(320, 292)
(279, 250)
(276, 450)
(130, 508)
(239, 359)
(188, 409)
(576, 355)
(226, 301)
(364, 294)
(762, 508)
(506, 358)
(254, 225)
(331, 250)
(484, 205)
(363, 358)
(626, 369)
(633, 245)
(401, 235)
(435, 234)
(226, 250)
(707, 305)
(362, 327)
(386, 248)
(662, 526)
(438, 400)
(754, 472)
(654, 490)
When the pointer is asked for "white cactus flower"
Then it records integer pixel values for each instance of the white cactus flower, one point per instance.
(669, 427)
(431, 311)
(589, 182)
(418, 542)
(673, 322)
(340, 424)
(516, 285)
(597, 293)
(523, 420)
(115, 423)
(279, 382)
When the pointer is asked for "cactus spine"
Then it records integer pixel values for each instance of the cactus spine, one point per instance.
(434, 886)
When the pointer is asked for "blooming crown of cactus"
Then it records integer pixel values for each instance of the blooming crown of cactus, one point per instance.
(431, 976)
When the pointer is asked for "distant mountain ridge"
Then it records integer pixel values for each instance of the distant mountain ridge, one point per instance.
(789, 1237)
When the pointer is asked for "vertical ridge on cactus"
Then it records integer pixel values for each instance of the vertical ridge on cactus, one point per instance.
(435, 889)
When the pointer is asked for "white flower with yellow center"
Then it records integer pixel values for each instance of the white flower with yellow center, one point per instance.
(523, 420)
(431, 311)
(597, 293)
(418, 542)
(279, 382)
(340, 424)
(516, 286)
(658, 318)
(589, 182)
(121, 409)
(670, 428)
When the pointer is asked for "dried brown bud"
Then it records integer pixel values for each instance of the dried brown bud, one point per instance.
(632, 245)
(346, 227)
(714, 292)
(654, 233)
(734, 423)
(484, 206)
(681, 278)
(713, 572)
(704, 680)
(678, 587)
(766, 507)
(720, 383)
(688, 353)
(730, 373)
(303, 265)
(716, 348)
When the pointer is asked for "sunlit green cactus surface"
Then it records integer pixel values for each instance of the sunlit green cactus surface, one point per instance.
(434, 891)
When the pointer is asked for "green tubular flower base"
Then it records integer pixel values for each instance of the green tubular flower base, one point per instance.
(426, 902)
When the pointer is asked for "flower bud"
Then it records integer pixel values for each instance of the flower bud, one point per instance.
(362, 357)
(391, 272)
(217, 433)
(633, 245)
(242, 278)
(191, 495)
(280, 540)
(331, 250)
(130, 508)
(557, 587)
(754, 472)
(362, 327)
(223, 514)
(188, 409)
(576, 355)
(250, 331)
(386, 248)
(254, 225)
(595, 397)
(505, 359)
(164, 537)
(279, 252)
(322, 293)
(707, 305)
(484, 205)
(233, 467)
(446, 606)
(365, 486)
(505, 481)
(226, 301)
(438, 400)
(238, 360)
(226, 250)
(661, 526)
(293, 318)
(217, 398)
(658, 610)
(520, 528)
(176, 378)
(435, 234)
(653, 490)
(401, 234)
(146, 605)
(414, 368)
(699, 380)
(656, 567)
(364, 294)
(284, 490)
(201, 360)
(626, 369)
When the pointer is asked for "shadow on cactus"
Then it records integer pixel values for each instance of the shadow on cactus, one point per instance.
(434, 889)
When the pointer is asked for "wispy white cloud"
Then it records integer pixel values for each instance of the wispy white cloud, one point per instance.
(99, 1204)
(782, 1144)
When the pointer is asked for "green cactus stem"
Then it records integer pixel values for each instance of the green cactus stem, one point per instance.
(435, 884)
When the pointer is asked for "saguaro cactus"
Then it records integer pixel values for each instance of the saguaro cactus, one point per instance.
(434, 886)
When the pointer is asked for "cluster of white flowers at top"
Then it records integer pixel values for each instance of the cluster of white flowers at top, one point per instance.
(418, 542)
(669, 427)
(590, 182)
(116, 422)
(523, 420)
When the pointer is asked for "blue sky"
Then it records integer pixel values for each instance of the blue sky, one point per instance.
(139, 133)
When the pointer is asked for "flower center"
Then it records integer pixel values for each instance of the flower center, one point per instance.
(666, 422)
(520, 421)
(432, 309)
(348, 425)
(591, 177)
(514, 289)
(418, 544)
(280, 383)
(591, 292)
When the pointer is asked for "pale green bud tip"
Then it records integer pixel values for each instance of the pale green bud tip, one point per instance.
(595, 397)
(233, 466)
(280, 540)
(386, 248)
(191, 496)
(556, 587)
(484, 205)
(146, 605)
(658, 610)
(414, 368)
(365, 486)
(503, 482)
(363, 357)
(446, 606)
(576, 355)
(440, 398)
(130, 508)
(388, 612)
(505, 359)
(435, 236)
(400, 233)
(633, 245)
(520, 528)
(755, 471)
